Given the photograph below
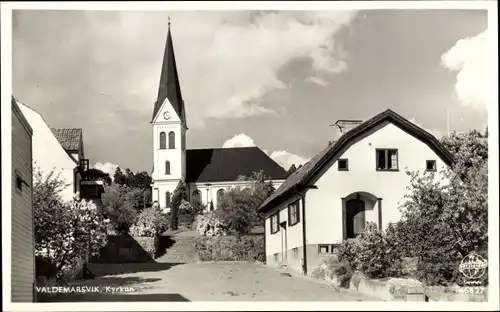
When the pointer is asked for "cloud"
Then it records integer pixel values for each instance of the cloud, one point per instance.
(317, 80)
(106, 167)
(283, 158)
(239, 140)
(241, 55)
(286, 159)
(472, 59)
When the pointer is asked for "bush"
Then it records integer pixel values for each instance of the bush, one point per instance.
(238, 209)
(209, 224)
(149, 244)
(375, 253)
(65, 232)
(332, 267)
(250, 248)
(119, 207)
(150, 223)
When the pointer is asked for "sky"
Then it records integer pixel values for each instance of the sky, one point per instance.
(274, 79)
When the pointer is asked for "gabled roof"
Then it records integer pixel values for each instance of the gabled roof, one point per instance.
(68, 138)
(17, 111)
(227, 164)
(299, 179)
(169, 87)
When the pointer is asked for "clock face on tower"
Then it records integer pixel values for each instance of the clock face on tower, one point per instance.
(166, 115)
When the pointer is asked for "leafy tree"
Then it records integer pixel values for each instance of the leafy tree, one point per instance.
(181, 193)
(238, 209)
(65, 232)
(118, 206)
(470, 149)
(292, 169)
(119, 178)
(445, 220)
(143, 180)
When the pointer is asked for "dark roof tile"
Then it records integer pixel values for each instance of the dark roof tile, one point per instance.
(227, 164)
(68, 138)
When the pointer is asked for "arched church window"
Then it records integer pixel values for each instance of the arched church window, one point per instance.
(167, 199)
(220, 194)
(163, 140)
(196, 198)
(171, 140)
(167, 167)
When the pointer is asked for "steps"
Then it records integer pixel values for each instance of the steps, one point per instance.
(179, 250)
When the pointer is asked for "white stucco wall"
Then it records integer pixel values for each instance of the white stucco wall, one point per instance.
(275, 243)
(48, 154)
(324, 205)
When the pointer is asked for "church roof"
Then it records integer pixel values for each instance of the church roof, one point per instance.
(169, 86)
(227, 164)
(301, 178)
(68, 138)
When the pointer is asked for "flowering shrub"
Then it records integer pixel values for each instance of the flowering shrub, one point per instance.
(208, 224)
(151, 222)
(66, 233)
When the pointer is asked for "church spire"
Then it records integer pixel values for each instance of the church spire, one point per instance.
(169, 81)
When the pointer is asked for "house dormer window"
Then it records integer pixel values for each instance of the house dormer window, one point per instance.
(387, 159)
(430, 165)
(343, 165)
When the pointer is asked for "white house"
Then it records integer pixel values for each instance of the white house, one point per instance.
(359, 178)
(209, 173)
(49, 155)
(23, 235)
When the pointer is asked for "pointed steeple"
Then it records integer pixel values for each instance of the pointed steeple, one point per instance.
(169, 81)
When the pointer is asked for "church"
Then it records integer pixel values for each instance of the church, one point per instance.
(209, 173)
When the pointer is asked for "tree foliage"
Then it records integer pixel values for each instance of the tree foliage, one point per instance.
(445, 219)
(118, 205)
(238, 210)
(181, 193)
(65, 232)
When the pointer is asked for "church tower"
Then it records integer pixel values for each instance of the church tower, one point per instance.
(169, 130)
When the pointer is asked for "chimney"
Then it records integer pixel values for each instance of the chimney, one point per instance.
(344, 125)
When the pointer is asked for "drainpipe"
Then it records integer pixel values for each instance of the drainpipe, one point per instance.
(303, 261)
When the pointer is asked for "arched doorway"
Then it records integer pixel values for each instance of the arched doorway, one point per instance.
(358, 208)
(355, 217)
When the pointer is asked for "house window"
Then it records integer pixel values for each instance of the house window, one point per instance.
(183, 142)
(167, 167)
(343, 165)
(387, 159)
(430, 165)
(19, 183)
(167, 199)
(327, 249)
(274, 223)
(323, 249)
(220, 195)
(295, 252)
(293, 213)
(196, 198)
(171, 140)
(163, 140)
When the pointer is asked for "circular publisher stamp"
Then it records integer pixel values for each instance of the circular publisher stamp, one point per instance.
(473, 267)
